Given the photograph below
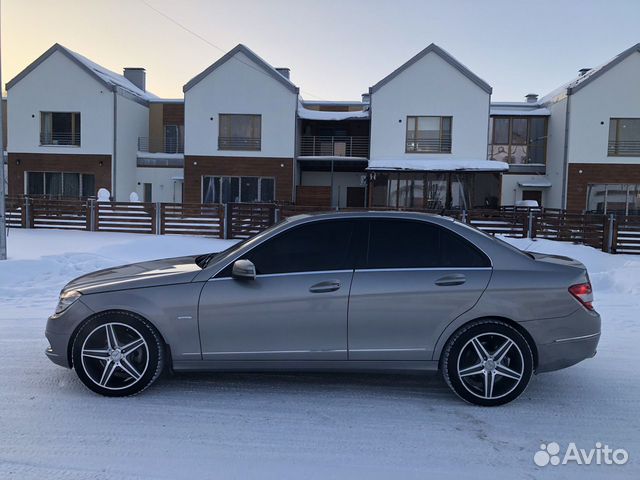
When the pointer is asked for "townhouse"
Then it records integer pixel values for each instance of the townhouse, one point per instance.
(425, 136)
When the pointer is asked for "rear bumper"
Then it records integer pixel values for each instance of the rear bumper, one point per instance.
(563, 354)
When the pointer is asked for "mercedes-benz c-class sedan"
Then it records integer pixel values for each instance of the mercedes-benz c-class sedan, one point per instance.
(372, 291)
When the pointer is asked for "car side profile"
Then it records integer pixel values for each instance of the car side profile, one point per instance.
(378, 291)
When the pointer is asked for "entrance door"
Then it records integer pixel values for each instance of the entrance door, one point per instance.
(533, 195)
(355, 197)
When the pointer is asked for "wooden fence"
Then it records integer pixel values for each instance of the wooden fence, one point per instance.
(611, 233)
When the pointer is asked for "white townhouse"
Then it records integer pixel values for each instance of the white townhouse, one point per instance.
(429, 130)
(73, 127)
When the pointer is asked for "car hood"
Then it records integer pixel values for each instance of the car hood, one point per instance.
(154, 273)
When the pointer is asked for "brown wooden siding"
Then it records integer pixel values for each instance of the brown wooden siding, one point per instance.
(195, 167)
(173, 114)
(313, 196)
(19, 163)
(595, 173)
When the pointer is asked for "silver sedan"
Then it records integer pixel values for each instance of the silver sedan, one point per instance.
(376, 291)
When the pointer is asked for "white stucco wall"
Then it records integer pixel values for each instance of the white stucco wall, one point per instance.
(512, 191)
(165, 186)
(430, 87)
(236, 87)
(133, 122)
(60, 85)
(613, 94)
(555, 153)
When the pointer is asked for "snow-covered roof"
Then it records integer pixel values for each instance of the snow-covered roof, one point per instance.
(582, 80)
(539, 183)
(309, 114)
(103, 75)
(435, 165)
(518, 108)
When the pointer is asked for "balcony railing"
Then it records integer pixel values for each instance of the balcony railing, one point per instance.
(239, 143)
(429, 145)
(628, 148)
(339, 146)
(531, 154)
(60, 138)
(160, 145)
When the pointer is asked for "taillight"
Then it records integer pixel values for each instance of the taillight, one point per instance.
(584, 294)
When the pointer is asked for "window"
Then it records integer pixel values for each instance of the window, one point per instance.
(318, 246)
(238, 189)
(60, 128)
(61, 184)
(614, 198)
(172, 139)
(148, 192)
(428, 135)
(518, 140)
(239, 132)
(414, 244)
(624, 137)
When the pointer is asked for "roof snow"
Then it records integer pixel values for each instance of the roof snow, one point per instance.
(309, 114)
(429, 165)
(518, 109)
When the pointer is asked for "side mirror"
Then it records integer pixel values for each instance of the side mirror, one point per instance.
(244, 269)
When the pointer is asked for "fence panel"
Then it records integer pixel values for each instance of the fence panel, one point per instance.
(15, 212)
(246, 219)
(627, 239)
(192, 219)
(64, 214)
(571, 227)
(128, 217)
(509, 223)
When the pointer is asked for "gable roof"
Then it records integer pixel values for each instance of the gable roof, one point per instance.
(433, 48)
(581, 81)
(109, 79)
(263, 65)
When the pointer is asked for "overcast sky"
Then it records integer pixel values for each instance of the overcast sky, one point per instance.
(336, 49)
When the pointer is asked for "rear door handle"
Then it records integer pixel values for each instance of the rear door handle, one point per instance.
(323, 287)
(451, 280)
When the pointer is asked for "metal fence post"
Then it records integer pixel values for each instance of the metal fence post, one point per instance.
(158, 218)
(530, 232)
(463, 218)
(611, 232)
(27, 212)
(276, 215)
(225, 223)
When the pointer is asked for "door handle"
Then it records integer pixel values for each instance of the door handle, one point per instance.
(451, 280)
(323, 287)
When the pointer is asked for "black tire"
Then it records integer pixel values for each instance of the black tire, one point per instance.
(473, 371)
(116, 372)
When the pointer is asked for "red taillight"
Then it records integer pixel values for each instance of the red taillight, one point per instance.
(583, 293)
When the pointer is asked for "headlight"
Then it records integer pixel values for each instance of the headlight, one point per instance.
(66, 300)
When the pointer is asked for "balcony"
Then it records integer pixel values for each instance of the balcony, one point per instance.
(69, 139)
(429, 145)
(239, 143)
(160, 145)
(338, 146)
(620, 148)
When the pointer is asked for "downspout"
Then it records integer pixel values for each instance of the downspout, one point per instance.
(295, 151)
(115, 143)
(565, 161)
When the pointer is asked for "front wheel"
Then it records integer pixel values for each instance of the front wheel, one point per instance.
(117, 354)
(487, 363)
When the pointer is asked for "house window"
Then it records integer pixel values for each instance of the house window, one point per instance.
(60, 184)
(624, 137)
(60, 128)
(518, 140)
(172, 143)
(428, 135)
(238, 189)
(239, 132)
(614, 198)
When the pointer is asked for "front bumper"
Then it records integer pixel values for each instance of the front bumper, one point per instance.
(60, 330)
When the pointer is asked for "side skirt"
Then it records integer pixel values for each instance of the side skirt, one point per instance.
(303, 366)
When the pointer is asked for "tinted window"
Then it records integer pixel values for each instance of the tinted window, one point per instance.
(316, 246)
(414, 244)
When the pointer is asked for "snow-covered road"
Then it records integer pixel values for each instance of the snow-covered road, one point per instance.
(305, 426)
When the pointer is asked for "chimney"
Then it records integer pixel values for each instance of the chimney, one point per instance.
(366, 98)
(137, 76)
(284, 71)
(531, 97)
(582, 71)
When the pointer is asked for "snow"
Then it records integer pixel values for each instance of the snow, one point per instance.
(449, 165)
(517, 111)
(309, 114)
(296, 425)
(176, 156)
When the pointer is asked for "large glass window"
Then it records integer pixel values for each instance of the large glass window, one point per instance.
(518, 140)
(413, 244)
(426, 134)
(239, 132)
(315, 247)
(60, 128)
(61, 184)
(238, 189)
(624, 137)
(614, 198)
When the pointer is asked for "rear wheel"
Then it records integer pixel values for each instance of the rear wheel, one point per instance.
(117, 354)
(487, 363)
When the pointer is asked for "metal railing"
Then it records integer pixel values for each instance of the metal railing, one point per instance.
(160, 145)
(60, 138)
(239, 143)
(429, 145)
(629, 148)
(334, 146)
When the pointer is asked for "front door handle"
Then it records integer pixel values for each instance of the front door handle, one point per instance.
(323, 287)
(451, 280)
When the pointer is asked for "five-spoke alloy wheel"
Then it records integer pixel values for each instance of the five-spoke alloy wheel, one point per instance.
(117, 354)
(488, 363)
